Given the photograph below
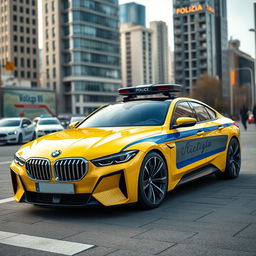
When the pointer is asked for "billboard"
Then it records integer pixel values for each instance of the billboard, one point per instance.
(27, 102)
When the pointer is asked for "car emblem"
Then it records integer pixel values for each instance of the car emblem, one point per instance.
(56, 153)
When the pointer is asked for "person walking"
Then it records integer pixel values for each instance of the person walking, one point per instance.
(254, 113)
(244, 116)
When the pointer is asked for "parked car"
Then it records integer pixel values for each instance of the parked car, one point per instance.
(129, 152)
(48, 125)
(16, 130)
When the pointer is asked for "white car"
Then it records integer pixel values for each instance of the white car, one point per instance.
(16, 130)
(48, 125)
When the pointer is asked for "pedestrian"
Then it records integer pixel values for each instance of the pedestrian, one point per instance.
(244, 116)
(254, 113)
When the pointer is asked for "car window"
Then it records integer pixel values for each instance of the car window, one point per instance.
(182, 109)
(9, 123)
(26, 121)
(211, 113)
(136, 113)
(48, 122)
(201, 113)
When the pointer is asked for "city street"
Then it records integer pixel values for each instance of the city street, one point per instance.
(206, 217)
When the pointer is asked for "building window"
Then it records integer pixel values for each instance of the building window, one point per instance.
(28, 50)
(22, 49)
(53, 6)
(14, 17)
(28, 40)
(21, 9)
(15, 28)
(34, 64)
(21, 19)
(35, 75)
(53, 59)
(28, 74)
(27, 10)
(46, 8)
(28, 63)
(77, 110)
(27, 20)
(54, 72)
(22, 62)
(28, 30)
(22, 39)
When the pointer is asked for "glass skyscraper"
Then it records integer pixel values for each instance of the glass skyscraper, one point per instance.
(81, 53)
(133, 12)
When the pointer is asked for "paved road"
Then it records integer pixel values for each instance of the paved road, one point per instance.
(206, 217)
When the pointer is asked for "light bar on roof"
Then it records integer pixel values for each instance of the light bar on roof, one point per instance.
(150, 89)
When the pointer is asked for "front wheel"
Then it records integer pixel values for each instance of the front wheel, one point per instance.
(233, 163)
(153, 181)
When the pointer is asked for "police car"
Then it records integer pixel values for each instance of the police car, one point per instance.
(134, 151)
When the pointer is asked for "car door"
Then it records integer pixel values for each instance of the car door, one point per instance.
(26, 129)
(211, 141)
(185, 139)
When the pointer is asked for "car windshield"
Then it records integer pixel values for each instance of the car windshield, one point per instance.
(76, 119)
(47, 122)
(9, 123)
(136, 113)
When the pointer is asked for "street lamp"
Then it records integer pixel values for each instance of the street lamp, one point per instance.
(231, 88)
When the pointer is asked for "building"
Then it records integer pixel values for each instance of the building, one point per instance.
(242, 66)
(133, 12)
(136, 55)
(19, 40)
(200, 35)
(81, 53)
(160, 50)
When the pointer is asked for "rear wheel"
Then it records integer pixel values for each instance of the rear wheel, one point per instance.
(153, 181)
(233, 163)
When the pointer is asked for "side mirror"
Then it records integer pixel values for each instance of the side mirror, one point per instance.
(73, 125)
(184, 122)
(24, 126)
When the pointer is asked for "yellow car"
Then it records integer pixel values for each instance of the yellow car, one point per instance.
(129, 152)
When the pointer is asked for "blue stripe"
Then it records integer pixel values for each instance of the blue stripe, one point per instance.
(199, 157)
(175, 136)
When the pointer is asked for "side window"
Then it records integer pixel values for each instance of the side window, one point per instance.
(211, 113)
(202, 114)
(28, 122)
(182, 109)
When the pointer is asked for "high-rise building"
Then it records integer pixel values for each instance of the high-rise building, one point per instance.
(200, 35)
(160, 51)
(133, 12)
(221, 35)
(19, 39)
(81, 53)
(136, 55)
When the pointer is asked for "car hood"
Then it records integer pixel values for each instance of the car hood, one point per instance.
(90, 143)
(48, 127)
(9, 129)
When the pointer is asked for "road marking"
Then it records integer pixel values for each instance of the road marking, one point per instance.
(7, 162)
(6, 200)
(43, 244)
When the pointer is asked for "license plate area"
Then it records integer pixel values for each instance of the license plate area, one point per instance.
(55, 188)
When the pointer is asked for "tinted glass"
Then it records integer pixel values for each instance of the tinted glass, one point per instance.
(211, 113)
(9, 123)
(202, 114)
(47, 122)
(182, 109)
(137, 113)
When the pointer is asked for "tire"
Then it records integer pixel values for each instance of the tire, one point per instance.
(233, 163)
(20, 139)
(153, 181)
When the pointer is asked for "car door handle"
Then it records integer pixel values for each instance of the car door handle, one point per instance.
(200, 132)
(220, 127)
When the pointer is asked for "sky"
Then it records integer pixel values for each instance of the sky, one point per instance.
(240, 20)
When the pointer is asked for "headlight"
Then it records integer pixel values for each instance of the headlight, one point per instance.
(19, 160)
(13, 133)
(115, 159)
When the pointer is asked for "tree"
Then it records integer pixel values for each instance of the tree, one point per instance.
(208, 90)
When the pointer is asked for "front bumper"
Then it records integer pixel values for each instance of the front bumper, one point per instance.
(9, 138)
(107, 186)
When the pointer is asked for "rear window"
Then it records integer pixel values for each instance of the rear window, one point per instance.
(136, 113)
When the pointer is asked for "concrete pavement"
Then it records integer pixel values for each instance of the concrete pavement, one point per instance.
(206, 217)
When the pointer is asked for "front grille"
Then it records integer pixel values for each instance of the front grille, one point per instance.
(39, 168)
(2, 135)
(47, 132)
(70, 169)
(57, 199)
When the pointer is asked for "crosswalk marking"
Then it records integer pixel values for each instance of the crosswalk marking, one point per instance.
(43, 244)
